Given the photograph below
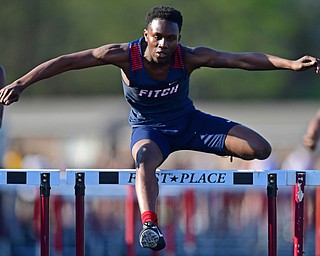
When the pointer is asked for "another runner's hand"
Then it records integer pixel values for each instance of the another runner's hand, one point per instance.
(9, 94)
(310, 141)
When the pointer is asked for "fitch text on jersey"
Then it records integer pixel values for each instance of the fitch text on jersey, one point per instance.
(158, 93)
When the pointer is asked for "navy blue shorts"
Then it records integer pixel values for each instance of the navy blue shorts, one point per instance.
(198, 131)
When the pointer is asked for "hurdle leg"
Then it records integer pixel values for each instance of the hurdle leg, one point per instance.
(299, 213)
(272, 192)
(79, 194)
(130, 221)
(317, 230)
(189, 204)
(44, 208)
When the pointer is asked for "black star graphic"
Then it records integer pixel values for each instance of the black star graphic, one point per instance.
(174, 178)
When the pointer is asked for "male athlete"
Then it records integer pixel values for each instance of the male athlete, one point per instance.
(155, 72)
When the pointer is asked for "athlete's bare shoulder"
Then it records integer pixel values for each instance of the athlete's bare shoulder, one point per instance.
(196, 57)
(116, 54)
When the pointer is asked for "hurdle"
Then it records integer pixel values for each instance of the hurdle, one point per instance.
(43, 178)
(211, 178)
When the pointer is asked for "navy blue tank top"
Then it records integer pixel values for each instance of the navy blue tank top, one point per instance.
(157, 102)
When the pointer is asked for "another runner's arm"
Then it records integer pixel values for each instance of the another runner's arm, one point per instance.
(206, 57)
(311, 138)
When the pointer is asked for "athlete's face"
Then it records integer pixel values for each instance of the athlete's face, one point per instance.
(162, 37)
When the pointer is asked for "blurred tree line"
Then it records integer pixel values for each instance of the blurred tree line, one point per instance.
(33, 31)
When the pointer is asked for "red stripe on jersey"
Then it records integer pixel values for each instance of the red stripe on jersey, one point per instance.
(178, 62)
(136, 61)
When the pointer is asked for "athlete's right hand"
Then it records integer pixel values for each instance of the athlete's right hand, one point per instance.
(9, 94)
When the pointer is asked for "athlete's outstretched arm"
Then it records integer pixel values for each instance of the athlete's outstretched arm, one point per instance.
(206, 57)
(109, 54)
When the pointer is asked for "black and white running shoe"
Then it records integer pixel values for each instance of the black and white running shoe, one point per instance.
(151, 237)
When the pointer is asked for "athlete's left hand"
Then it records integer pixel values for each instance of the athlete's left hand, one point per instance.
(307, 62)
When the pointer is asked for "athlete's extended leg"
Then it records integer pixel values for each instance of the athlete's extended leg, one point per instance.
(247, 144)
(148, 157)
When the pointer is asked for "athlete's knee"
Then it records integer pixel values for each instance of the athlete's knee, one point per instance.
(147, 155)
(255, 149)
(140, 156)
(262, 150)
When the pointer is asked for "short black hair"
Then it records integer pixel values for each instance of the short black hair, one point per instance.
(164, 13)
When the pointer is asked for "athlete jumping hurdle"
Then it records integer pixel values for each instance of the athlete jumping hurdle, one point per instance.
(155, 72)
